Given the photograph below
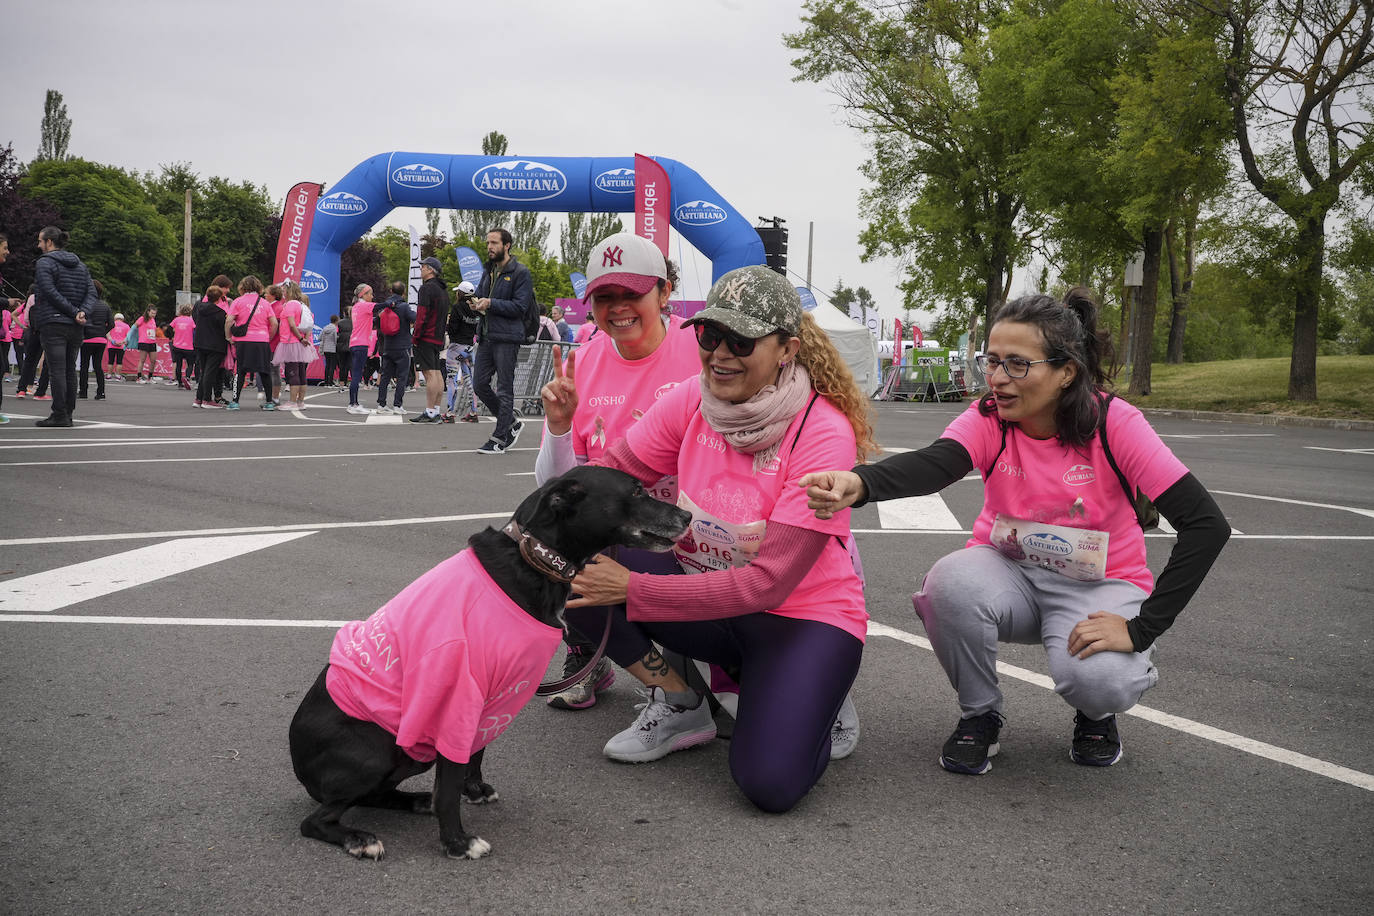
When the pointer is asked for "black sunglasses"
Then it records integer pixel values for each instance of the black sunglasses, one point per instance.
(709, 337)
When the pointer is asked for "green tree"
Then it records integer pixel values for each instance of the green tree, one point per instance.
(944, 196)
(234, 225)
(475, 224)
(128, 245)
(57, 127)
(1297, 78)
(581, 231)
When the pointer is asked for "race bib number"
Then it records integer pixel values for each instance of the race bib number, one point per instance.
(711, 544)
(1078, 553)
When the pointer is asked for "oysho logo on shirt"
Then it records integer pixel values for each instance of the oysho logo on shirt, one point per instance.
(711, 442)
(616, 181)
(312, 284)
(341, 203)
(700, 213)
(606, 400)
(418, 175)
(1079, 474)
(519, 179)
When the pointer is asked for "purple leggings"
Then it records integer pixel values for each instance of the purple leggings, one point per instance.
(793, 677)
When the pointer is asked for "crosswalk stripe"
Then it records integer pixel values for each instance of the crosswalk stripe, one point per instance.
(57, 588)
(928, 513)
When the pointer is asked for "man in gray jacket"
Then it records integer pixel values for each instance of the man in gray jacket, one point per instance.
(63, 292)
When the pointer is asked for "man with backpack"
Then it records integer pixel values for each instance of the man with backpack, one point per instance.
(394, 319)
(509, 318)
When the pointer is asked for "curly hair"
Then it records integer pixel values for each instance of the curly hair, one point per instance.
(831, 378)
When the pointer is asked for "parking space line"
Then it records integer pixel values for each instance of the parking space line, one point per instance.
(1177, 723)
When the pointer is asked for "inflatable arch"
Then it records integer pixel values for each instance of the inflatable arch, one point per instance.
(551, 184)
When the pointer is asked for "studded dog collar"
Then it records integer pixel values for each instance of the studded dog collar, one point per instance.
(551, 564)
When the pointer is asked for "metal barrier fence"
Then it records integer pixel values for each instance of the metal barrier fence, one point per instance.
(533, 369)
(930, 382)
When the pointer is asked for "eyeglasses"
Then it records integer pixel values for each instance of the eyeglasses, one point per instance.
(1013, 366)
(709, 337)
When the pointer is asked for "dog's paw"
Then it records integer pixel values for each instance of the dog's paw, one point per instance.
(473, 847)
(479, 793)
(364, 846)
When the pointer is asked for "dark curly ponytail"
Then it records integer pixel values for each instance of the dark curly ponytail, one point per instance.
(1070, 331)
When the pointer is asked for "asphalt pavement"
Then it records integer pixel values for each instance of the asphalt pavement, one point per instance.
(171, 578)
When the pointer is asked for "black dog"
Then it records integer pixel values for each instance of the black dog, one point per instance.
(343, 760)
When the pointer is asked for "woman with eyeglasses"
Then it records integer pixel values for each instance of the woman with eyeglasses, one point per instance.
(1057, 554)
(772, 594)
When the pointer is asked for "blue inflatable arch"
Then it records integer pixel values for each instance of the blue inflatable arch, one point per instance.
(553, 184)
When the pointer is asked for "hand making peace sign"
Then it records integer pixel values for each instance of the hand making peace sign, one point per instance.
(560, 395)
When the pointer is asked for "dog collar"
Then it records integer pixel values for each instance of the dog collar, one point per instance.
(548, 562)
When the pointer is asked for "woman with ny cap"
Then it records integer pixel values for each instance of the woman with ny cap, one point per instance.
(1057, 554)
(774, 594)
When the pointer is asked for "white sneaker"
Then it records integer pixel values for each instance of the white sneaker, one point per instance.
(399, 411)
(357, 409)
(844, 734)
(381, 410)
(661, 728)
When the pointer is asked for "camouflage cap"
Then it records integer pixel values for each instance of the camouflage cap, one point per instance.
(753, 302)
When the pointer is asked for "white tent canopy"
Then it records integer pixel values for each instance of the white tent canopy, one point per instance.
(856, 345)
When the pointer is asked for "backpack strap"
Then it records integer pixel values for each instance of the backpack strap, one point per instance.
(1000, 449)
(1146, 514)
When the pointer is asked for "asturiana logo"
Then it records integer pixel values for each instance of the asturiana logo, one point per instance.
(616, 181)
(700, 213)
(312, 284)
(1048, 543)
(1079, 474)
(418, 175)
(341, 203)
(519, 179)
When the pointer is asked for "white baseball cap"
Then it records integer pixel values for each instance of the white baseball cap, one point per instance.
(627, 260)
(465, 288)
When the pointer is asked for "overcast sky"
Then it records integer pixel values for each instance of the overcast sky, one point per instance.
(279, 92)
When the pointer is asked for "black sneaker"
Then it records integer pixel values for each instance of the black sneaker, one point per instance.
(515, 430)
(55, 420)
(492, 446)
(973, 742)
(1095, 744)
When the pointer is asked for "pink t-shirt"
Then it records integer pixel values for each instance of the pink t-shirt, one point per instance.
(584, 332)
(259, 328)
(674, 438)
(1039, 480)
(287, 308)
(362, 325)
(183, 329)
(5, 319)
(445, 665)
(614, 392)
(118, 333)
(146, 331)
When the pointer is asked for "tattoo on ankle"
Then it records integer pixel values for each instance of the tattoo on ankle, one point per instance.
(657, 665)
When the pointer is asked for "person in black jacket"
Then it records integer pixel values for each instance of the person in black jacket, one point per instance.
(211, 347)
(341, 351)
(65, 293)
(394, 349)
(505, 298)
(98, 324)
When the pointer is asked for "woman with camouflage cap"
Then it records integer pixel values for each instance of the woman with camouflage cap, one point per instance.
(776, 598)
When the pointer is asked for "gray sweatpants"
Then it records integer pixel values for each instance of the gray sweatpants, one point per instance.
(974, 598)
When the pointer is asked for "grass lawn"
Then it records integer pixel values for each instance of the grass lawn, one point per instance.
(1345, 387)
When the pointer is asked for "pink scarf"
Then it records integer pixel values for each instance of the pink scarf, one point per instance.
(756, 426)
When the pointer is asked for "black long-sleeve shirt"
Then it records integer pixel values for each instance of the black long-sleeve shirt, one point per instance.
(1201, 526)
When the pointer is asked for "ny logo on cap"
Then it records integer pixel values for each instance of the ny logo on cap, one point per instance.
(611, 257)
(734, 290)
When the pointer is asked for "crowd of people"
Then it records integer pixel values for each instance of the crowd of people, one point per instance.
(747, 417)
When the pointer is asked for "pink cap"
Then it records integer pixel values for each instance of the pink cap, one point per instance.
(627, 260)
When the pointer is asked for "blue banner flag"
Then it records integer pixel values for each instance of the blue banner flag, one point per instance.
(808, 300)
(579, 283)
(469, 265)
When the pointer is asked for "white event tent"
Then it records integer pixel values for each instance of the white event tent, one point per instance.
(855, 343)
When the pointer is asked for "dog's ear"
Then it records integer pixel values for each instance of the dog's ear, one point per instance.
(563, 495)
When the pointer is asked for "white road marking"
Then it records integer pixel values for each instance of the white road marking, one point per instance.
(1237, 536)
(928, 513)
(1188, 726)
(444, 451)
(254, 529)
(99, 443)
(1217, 435)
(173, 621)
(57, 588)
(1348, 451)
(1367, 513)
